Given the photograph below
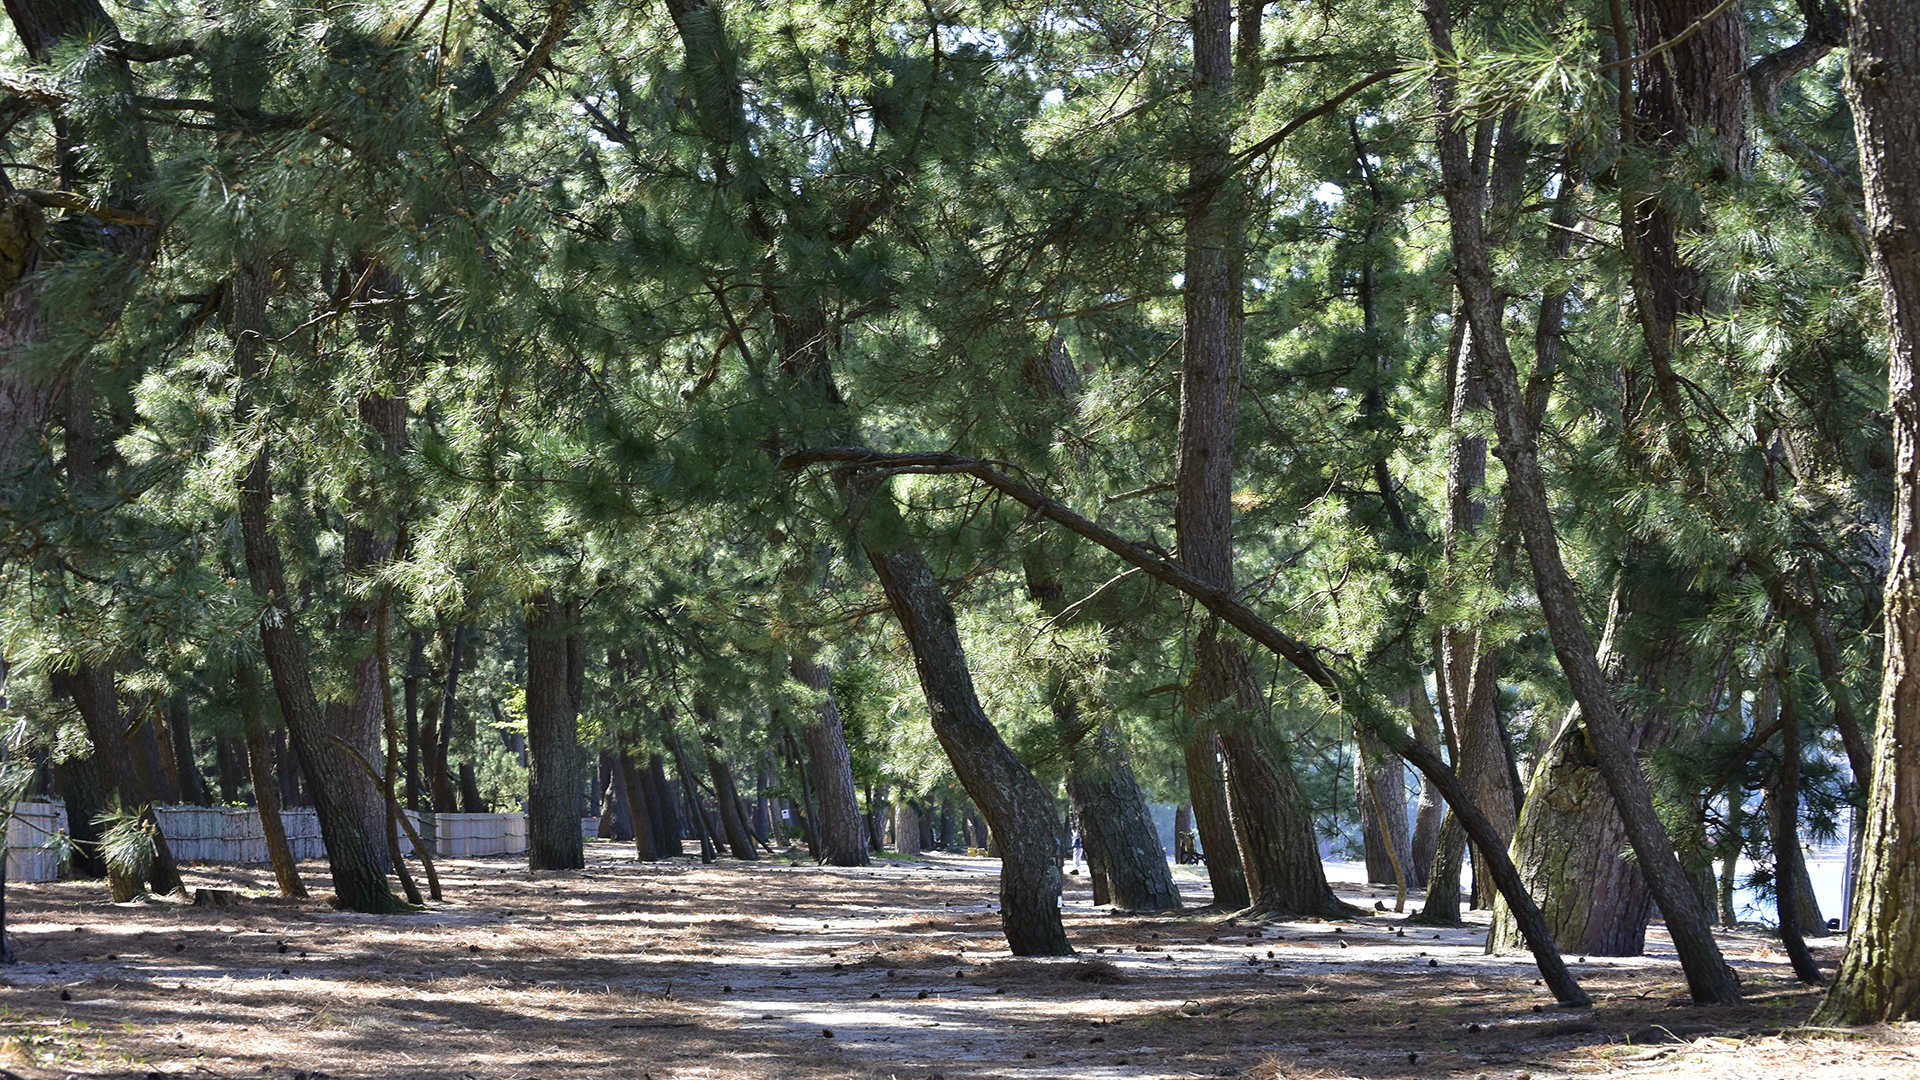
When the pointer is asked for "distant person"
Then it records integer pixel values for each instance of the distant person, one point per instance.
(1076, 851)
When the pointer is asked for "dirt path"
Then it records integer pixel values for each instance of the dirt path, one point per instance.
(658, 971)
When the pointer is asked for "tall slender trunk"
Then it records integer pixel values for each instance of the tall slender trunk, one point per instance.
(556, 672)
(358, 881)
(192, 788)
(1878, 980)
(1277, 848)
(286, 872)
(1708, 977)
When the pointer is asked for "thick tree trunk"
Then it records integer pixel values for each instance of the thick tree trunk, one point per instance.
(1443, 876)
(1571, 850)
(906, 828)
(1116, 826)
(835, 799)
(1018, 809)
(1272, 824)
(1879, 979)
(1708, 977)
(556, 670)
(666, 815)
(97, 699)
(639, 807)
(80, 784)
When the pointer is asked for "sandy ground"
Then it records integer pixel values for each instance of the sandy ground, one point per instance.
(674, 970)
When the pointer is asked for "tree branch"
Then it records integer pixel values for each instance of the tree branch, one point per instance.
(536, 59)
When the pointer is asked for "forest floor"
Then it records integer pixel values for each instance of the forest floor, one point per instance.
(672, 971)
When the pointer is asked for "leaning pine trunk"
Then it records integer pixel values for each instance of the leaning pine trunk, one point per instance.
(1018, 810)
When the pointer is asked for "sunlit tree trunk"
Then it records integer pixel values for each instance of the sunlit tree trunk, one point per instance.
(1879, 979)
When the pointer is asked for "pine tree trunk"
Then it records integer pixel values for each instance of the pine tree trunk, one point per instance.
(1278, 852)
(639, 807)
(1116, 826)
(1207, 788)
(1708, 977)
(667, 830)
(1381, 790)
(726, 795)
(96, 697)
(836, 801)
(1879, 979)
(1443, 876)
(906, 828)
(358, 881)
(192, 788)
(286, 872)
(1431, 810)
(1017, 808)
(79, 780)
(556, 667)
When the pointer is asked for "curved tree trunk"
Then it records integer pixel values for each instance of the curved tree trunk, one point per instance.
(556, 671)
(1018, 810)
(1708, 977)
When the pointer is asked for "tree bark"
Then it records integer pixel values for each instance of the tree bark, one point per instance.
(726, 794)
(906, 828)
(1879, 979)
(192, 786)
(286, 872)
(1708, 977)
(1207, 788)
(556, 670)
(1116, 826)
(1279, 855)
(1017, 808)
(1380, 787)
(834, 799)
(358, 881)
